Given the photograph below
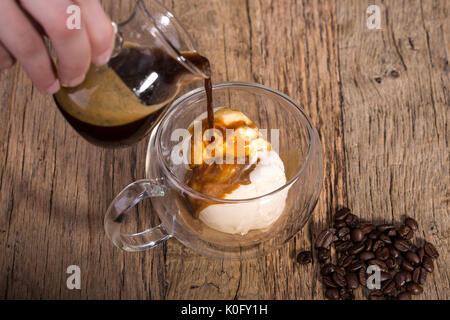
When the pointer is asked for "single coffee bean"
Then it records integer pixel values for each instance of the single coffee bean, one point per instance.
(408, 276)
(342, 232)
(379, 263)
(422, 276)
(304, 257)
(377, 245)
(391, 263)
(392, 233)
(382, 253)
(403, 231)
(385, 238)
(400, 279)
(374, 235)
(323, 255)
(345, 260)
(352, 280)
(362, 277)
(421, 253)
(339, 224)
(409, 235)
(343, 245)
(342, 214)
(366, 255)
(327, 269)
(385, 276)
(325, 238)
(404, 296)
(368, 228)
(357, 235)
(332, 294)
(376, 295)
(388, 286)
(369, 245)
(357, 248)
(340, 270)
(412, 257)
(407, 266)
(385, 227)
(416, 275)
(339, 279)
(428, 264)
(411, 223)
(394, 252)
(356, 266)
(414, 288)
(351, 220)
(402, 245)
(346, 294)
(327, 281)
(431, 250)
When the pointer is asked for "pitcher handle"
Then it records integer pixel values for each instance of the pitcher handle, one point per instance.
(120, 206)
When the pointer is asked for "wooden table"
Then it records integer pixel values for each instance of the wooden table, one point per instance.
(378, 97)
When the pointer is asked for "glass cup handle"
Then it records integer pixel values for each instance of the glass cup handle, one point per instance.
(125, 200)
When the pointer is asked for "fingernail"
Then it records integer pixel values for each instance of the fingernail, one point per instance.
(73, 83)
(54, 88)
(103, 58)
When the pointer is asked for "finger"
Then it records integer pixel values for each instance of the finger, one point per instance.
(99, 29)
(27, 46)
(72, 46)
(6, 60)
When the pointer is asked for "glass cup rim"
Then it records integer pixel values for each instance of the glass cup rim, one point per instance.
(162, 37)
(233, 84)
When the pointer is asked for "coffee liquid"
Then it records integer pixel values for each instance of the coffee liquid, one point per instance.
(119, 104)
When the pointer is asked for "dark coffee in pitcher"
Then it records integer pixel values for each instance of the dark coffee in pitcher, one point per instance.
(118, 104)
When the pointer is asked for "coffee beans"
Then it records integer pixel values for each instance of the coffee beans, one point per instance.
(323, 255)
(402, 245)
(304, 257)
(358, 245)
(342, 214)
(325, 238)
(332, 293)
(327, 269)
(382, 253)
(431, 251)
(428, 264)
(357, 235)
(414, 288)
(366, 255)
(404, 296)
(352, 280)
(339, 279)
(407, 266)
(411, 223)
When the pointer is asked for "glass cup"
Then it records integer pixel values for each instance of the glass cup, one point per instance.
(298, 146)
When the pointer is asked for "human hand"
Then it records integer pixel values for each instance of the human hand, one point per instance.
(23, 25)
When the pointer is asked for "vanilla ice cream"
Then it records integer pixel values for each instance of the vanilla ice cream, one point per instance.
(262, 173)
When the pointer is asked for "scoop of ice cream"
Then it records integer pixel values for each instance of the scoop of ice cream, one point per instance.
(256, 170)
(240, 218)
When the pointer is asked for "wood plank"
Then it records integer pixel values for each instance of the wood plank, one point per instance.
(395, 113)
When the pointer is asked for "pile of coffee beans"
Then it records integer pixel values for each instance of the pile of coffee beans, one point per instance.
(358, 245)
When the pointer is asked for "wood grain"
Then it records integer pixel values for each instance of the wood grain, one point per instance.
(379, 99)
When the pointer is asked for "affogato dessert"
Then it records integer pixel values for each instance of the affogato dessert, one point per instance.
(236, 163)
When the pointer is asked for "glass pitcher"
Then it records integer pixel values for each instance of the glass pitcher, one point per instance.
(119, 103)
